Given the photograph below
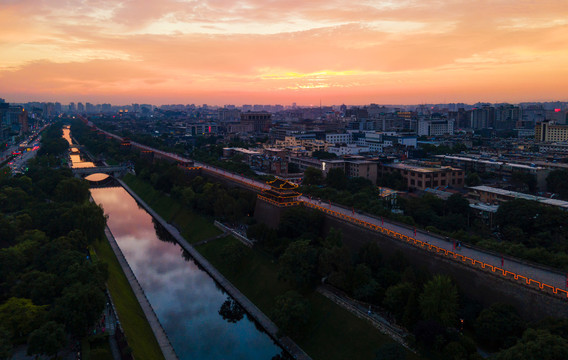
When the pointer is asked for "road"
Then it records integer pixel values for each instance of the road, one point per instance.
(554, 278)
(18, 163)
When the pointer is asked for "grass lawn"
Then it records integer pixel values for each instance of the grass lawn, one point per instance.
(193, 227)
(332, 332)
(138, 332)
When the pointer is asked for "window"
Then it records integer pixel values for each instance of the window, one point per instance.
(412, 182)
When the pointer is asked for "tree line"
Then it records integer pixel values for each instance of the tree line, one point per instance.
(50, 290)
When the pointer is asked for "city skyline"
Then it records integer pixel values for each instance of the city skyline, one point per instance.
(221, 52)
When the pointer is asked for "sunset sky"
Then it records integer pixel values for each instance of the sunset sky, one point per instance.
(284, 51)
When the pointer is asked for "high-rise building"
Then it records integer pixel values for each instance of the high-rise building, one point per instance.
(558, 116)
(532, 114)
(260, 121)
(506, 117)
(13, 120)
(546, 131)
(146, 108)
(437, 127)
(482, 118)
(80, 107)
(228, 115)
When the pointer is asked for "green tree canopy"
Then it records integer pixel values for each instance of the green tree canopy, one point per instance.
(457, 204)
(291, 313)
(556, 183)
(336, 178)
(323, 155)
(47, 340)
(21, 316)
(298, 264)
(519, 213)
(79, 307)
(472, 179)
(536, 344)
(312, 176)
(335, 263)
(300, 222)
(72, 189)
(439, 300)
(524, 181)
(497, 323)
(364, 286)
(41, 287)
(396, 297)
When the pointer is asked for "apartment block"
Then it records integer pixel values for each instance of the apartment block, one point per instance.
(421, 178)
(550, 132)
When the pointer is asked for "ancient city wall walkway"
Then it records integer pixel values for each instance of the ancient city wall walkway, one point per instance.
(549, 280)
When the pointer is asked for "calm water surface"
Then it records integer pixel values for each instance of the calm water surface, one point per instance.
(186, 300)
(77, 159)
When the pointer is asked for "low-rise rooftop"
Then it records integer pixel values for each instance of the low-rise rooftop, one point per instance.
(518, 195)
(419, 168)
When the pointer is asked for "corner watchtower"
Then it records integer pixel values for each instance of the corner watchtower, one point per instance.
(271, 203)
(282, 193)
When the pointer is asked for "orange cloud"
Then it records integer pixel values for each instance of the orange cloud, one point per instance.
(221, 51)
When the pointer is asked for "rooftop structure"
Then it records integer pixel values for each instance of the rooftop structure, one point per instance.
(491, 195)
(497, 166)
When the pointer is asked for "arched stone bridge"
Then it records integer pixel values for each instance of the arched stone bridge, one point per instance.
(114, 171)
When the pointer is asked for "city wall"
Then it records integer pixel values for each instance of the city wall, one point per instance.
(480, 283)
(483, 286)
